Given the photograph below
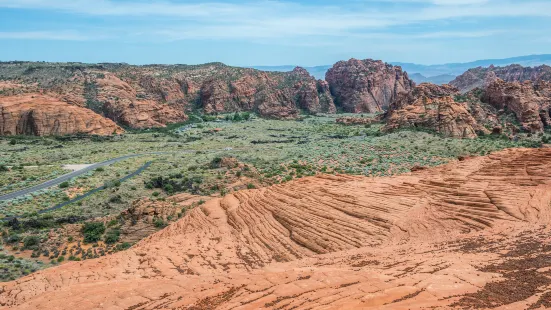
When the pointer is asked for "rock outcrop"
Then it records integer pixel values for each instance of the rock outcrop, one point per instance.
(36, 114)
(367, 86)
(121, 103)
(530, 102)
(273, 95)
(469, 234)
(433, 107)
(156, 95)
(481, 77)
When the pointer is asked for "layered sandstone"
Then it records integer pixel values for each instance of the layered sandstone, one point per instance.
(273, 95)
(156, 95)
(367, 86)
(529, 102)
(40, 115)
(121, 103)
(481, 77)
(433, 107)
(458, 236)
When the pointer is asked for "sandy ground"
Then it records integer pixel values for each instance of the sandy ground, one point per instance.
(470, 234)
(76, 167)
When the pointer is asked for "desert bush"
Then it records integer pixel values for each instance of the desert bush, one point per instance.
(112, 236)
(93, 231)
(31, 241)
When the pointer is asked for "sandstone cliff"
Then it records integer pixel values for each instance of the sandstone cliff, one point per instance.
(481, 77)
(433, 107)
(43, 115)
(274, 95)
(367, 86)
(530, 102)
(156, 95)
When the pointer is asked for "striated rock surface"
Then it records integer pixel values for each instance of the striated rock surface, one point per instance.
(434, 107)
(481, 77)
(367, 86)
(36, 114)
(530, 102)
(121, 103)
(464, 235)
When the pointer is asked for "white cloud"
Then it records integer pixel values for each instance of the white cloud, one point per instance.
(44, 35)
(278, 19)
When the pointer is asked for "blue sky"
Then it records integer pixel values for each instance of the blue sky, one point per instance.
(247, 33)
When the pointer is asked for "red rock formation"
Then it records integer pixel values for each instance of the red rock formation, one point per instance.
(121, 104)
(470, 234)
(529, 102)
(36, 114)
(434, 107)
(366, 86)
(154, 95)
(481, 77)
(273, 95)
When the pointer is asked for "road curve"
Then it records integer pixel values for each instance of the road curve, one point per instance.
(63, 178)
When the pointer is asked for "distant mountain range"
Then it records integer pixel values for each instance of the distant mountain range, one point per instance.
(437, 74)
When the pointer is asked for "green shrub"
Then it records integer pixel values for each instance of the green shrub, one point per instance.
(159, 223)
(15, 238)
(168, 188)
(215, 163)
(115, 199)
(250, 186)
(93, 231)
(64, 185)
(112, 236)
(123, 246)
(31, 241)
(60, 259)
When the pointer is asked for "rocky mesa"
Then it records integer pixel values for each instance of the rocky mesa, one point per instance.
(36, 114)
(481, 77)
(156, 95)
(433, 107)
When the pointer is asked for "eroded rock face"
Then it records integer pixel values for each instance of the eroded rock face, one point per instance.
(447, 237)
(434, 107)
(529, 101)
(481, 77)
(367, 86)
(36, 114)
(155, 95)
(275, 95)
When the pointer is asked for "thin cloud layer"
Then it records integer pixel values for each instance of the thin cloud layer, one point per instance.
(282, 23)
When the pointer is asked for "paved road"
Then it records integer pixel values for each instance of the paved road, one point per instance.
(63, 178)
(71, 175)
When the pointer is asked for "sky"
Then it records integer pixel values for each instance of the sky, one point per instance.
(254, 33)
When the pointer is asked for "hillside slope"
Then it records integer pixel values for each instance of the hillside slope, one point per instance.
(459, 235)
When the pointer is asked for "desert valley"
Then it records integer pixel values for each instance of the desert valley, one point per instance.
(218, 187)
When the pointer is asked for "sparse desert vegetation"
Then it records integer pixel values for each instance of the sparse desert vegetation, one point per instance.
(207, 157)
